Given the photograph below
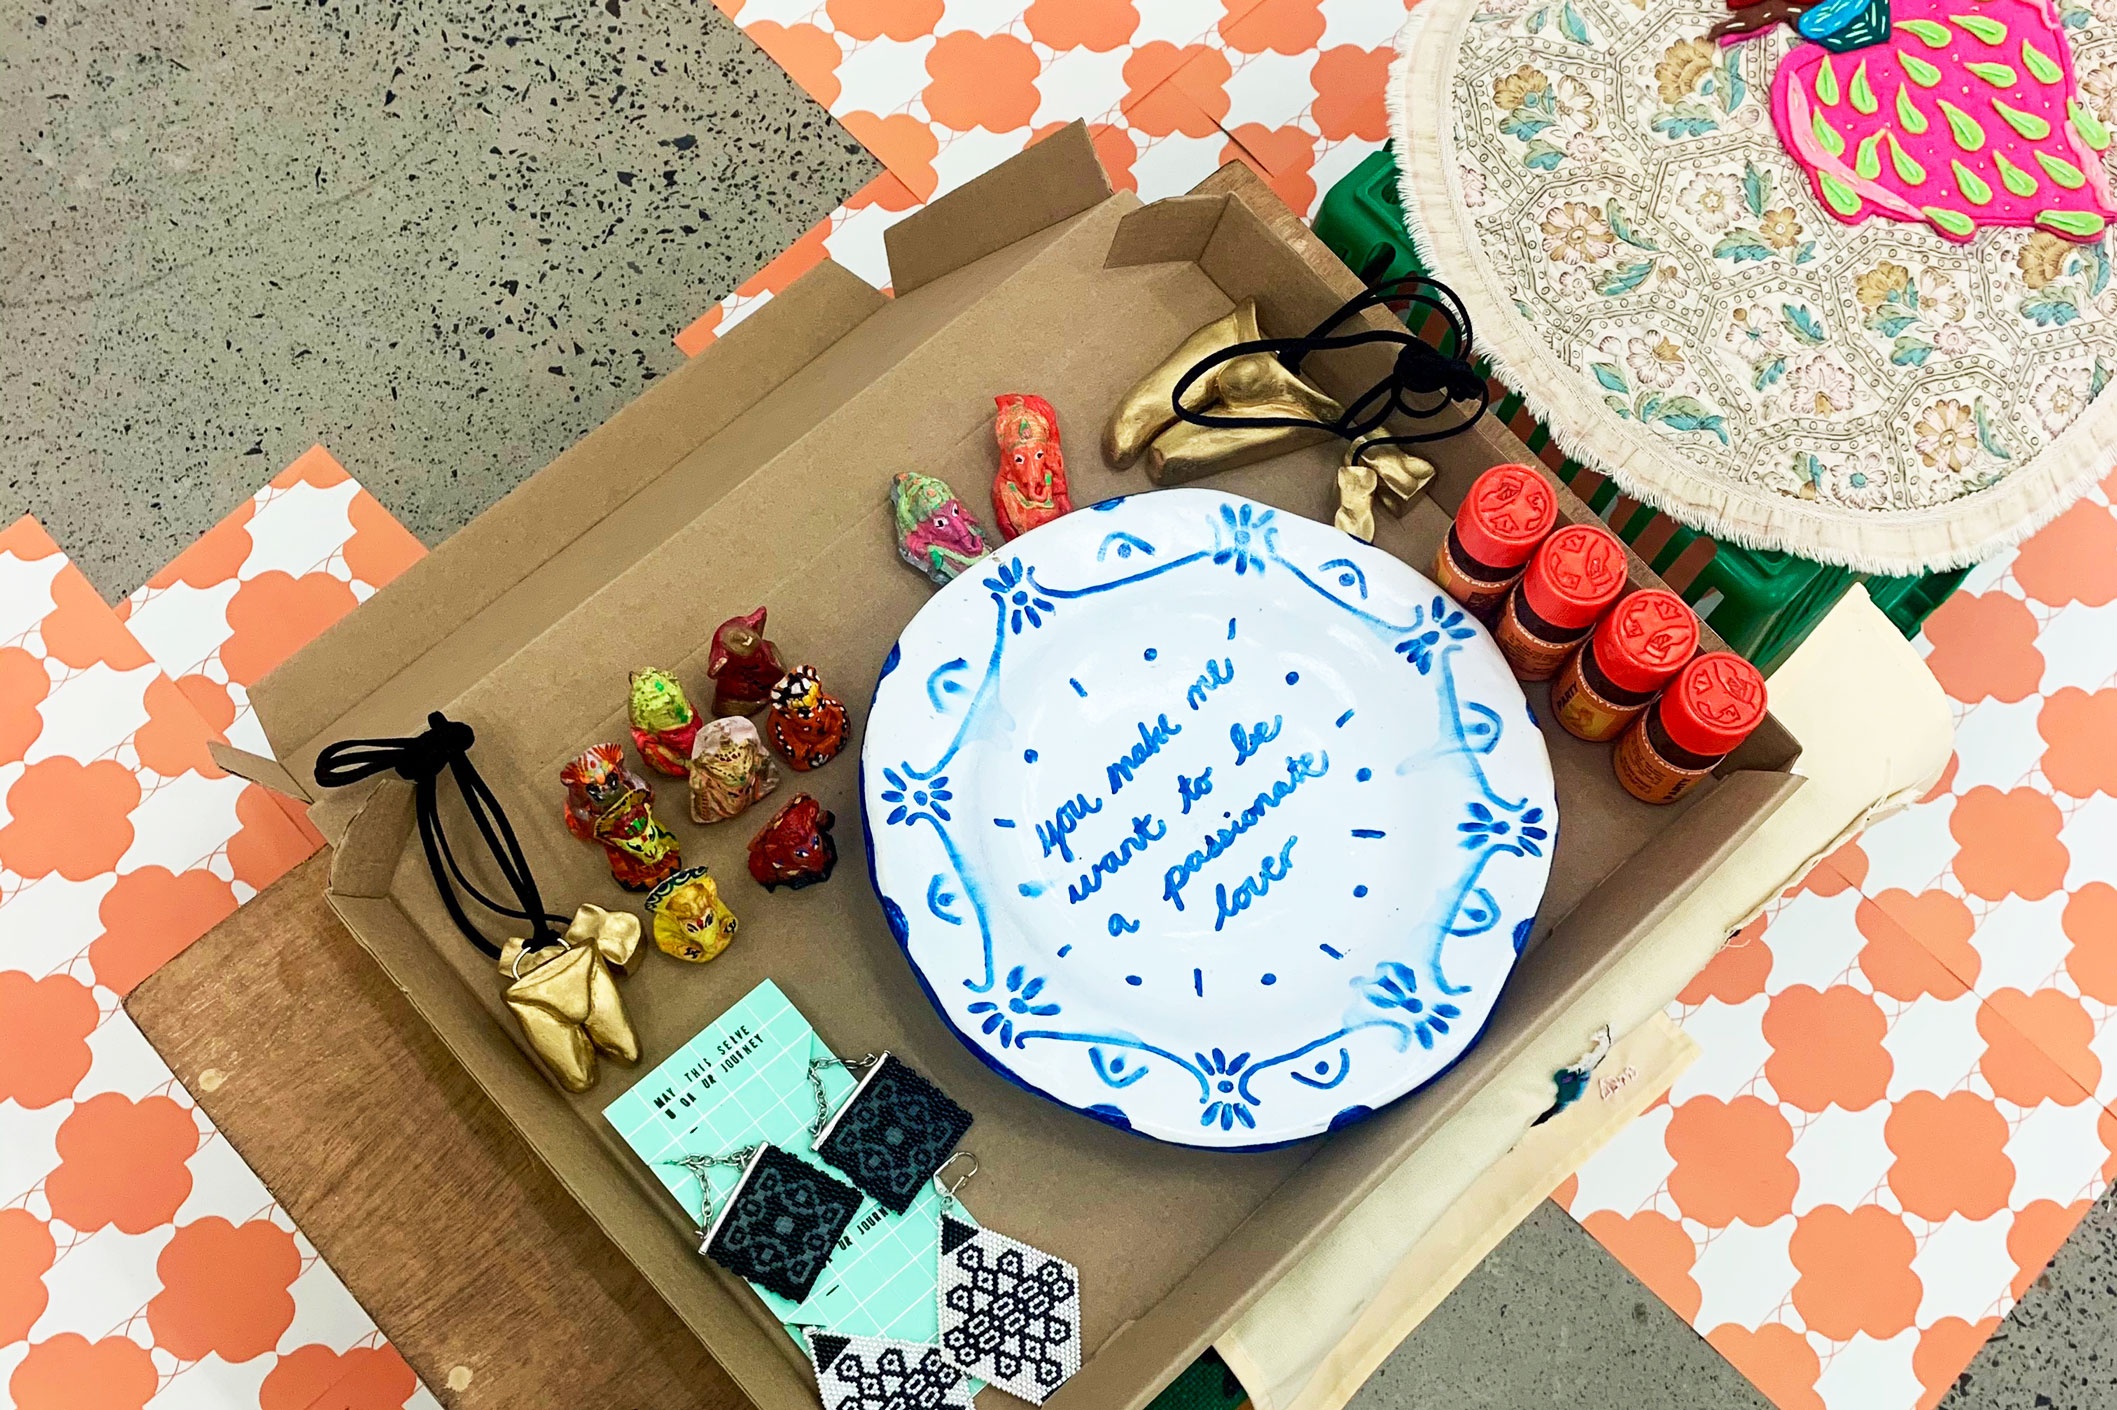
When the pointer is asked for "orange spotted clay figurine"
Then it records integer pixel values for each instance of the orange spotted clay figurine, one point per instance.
(664, 725)
(1030, 488)
(608, 803)
(795, 849)
(744, 666)
(806, 725)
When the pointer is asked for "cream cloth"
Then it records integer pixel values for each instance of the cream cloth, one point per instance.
(1875, 733)
(1647, 265)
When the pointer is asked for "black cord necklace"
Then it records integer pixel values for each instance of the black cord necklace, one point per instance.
(1437, 376)
(445, 745)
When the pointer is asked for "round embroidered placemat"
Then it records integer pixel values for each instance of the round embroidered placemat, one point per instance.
(1660, 278)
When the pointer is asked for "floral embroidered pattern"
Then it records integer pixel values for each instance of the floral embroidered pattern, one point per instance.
(1639, 215)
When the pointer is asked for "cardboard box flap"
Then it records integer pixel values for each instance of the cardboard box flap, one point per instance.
(502, 546)
(258, 769)
(1050, 181)
(1173, 228)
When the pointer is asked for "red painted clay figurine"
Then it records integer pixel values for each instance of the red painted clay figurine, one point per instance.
(795, 849)
(1030, 488)
(805, 725)
(608, 803)
(664, 726)
(744, 666)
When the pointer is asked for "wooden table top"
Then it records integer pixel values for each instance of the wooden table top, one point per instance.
(467, 1252)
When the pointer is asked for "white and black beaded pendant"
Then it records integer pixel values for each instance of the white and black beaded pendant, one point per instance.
(1010, 1314)
(876, 1373)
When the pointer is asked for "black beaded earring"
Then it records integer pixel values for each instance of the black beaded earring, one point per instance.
(891, 1134)
(780, 1224)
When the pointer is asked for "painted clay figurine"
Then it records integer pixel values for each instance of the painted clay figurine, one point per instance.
(744, 666)
(730, 770)
(608, 803)
(806, 725)
(1928, 111)
(935, 533)
(663, 723)
(795, 849)
(1030, 488)
(691, 922)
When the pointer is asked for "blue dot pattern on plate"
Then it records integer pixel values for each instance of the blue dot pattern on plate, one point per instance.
(1189, 815)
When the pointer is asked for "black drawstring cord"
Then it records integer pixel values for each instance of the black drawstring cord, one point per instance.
(421, 758)
(1421, 369)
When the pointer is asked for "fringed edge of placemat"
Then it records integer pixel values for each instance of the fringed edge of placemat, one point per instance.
(1893, 542)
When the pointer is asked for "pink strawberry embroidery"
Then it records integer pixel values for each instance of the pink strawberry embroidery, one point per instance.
(1956, 113)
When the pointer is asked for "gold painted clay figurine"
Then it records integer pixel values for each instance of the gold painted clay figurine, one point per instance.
(796, 848)
(935, 533)
(1256, 386)
(806, 725)
(730, 770)
(608, 803)
(663, 722)
(691, 922)
(1370, 473)
(744, 666)
(566, 998)
(1030, 488)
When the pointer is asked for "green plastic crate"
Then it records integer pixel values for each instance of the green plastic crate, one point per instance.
(1762, 603)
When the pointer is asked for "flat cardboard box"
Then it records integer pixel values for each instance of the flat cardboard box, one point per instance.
(758, 473)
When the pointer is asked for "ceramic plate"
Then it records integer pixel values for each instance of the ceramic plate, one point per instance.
(1205, 819)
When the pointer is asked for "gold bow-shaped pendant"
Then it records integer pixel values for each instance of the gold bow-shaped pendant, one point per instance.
(1258, 385)
(1371, 472)
(566, 997)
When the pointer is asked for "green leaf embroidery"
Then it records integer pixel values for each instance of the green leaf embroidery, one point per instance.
(1541, 155)
(1973, 186)
(1910, 350)
(1826, 83)
(1624, 281)
(1998, 75)
(1908, 170)
(2081, 225)
(1827, 136)
(2098, 378)
(1928, 33)
(1953, 222)
(2028, 125)
(1743, 244)
(1612, 379)
(1686, 119)
(1907, 112)
(1806, 253)
(1963, 127)
(1767, 373)
(1918, 70)
(2087, 125)
(1756, 187)
(1867, 162)
(1986, 436)
(1889, 321)
(1622, 228)
(1863, 100)
(1983, 26)
(1688, 414)
(1804, 324)
(2061, 171)
(1732, 88)
(1619, 405)
(2039, 64)
(2050, 307)
(1841, 198)
(1535, 23)
(2014, 178)
(1571, 25)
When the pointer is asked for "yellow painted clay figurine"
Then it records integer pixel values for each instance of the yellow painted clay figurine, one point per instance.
(663, 722)
(691, 922)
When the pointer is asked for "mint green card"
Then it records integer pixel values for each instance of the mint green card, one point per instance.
(742, 1080)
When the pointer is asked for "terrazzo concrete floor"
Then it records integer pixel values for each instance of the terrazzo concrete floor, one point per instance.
(446, 240)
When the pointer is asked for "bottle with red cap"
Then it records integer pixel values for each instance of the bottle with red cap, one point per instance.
(1612, 675)
(1709, 708)
(1572, 579)
(1505, 516)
